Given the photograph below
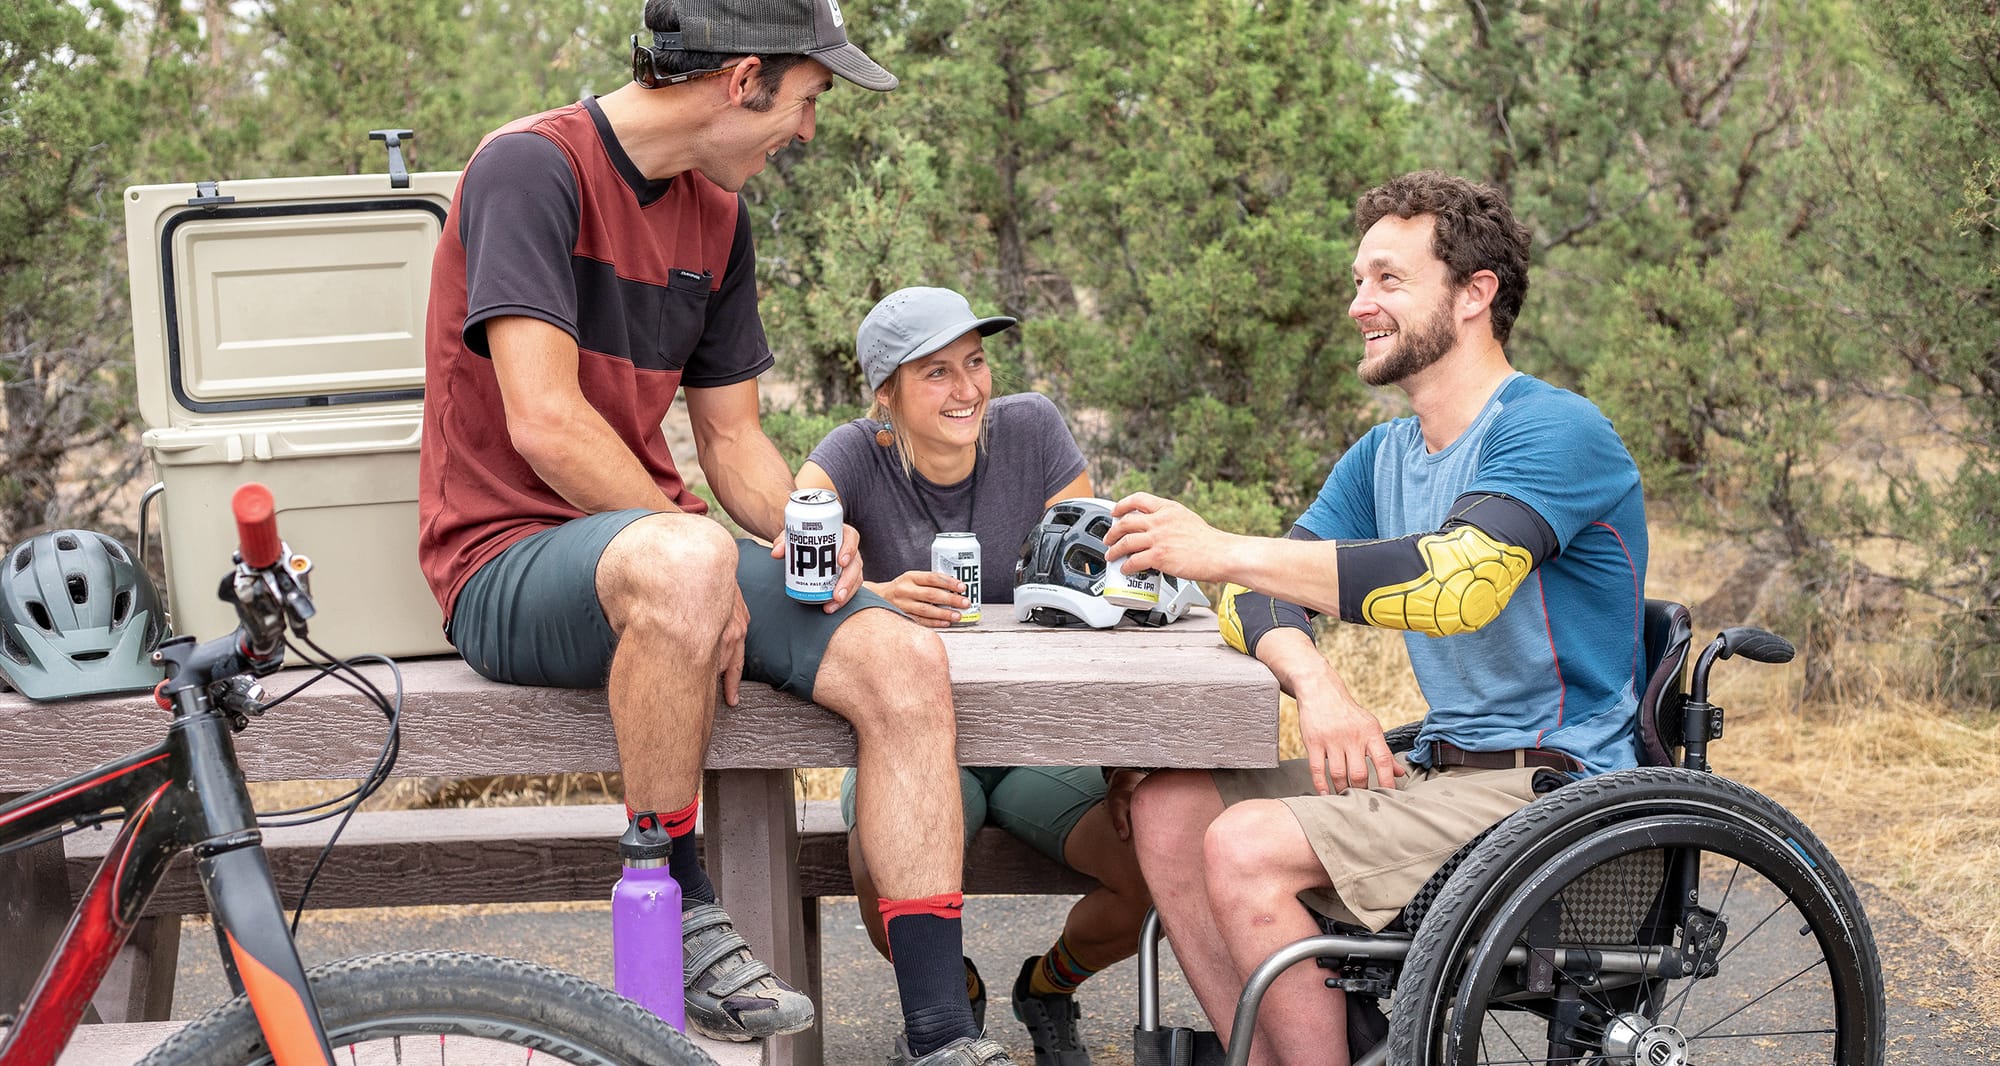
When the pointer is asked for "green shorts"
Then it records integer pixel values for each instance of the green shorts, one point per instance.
(531, 616)
(1038, 804)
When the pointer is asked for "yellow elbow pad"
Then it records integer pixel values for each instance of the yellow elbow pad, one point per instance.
(1467, 581)
(1228, 620)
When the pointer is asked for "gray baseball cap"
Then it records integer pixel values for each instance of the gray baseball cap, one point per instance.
(814, 28)
(912, 323)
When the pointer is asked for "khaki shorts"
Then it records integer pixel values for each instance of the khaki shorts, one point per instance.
(1379, 846)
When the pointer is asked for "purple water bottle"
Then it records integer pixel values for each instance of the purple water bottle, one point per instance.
(646, 923)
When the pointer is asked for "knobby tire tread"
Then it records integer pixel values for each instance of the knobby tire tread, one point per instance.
(486, 988)
(1469, 896)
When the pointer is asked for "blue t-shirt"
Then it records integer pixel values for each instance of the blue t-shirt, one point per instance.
(1562, 665)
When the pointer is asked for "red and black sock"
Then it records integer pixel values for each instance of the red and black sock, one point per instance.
(684, 862)
(927, 948)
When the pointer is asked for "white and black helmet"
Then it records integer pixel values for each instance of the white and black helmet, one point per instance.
(1059, 578)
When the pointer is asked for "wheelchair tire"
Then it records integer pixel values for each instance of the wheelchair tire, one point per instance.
(1808, 980)
(452, 1007)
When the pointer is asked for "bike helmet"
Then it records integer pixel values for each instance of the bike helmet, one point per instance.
(1059, 578)
(78, 617)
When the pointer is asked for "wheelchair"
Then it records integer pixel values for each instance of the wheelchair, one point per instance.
(1658, 916)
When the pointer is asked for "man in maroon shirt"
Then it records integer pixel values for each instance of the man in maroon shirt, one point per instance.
(597, 259)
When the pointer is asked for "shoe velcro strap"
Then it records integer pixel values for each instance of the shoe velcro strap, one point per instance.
(709, 926)
(703, 916)
(729, 978)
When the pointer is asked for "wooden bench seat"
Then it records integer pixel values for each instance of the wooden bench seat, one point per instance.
(530, 855)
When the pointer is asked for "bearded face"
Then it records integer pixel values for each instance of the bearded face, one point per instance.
(1413, 347)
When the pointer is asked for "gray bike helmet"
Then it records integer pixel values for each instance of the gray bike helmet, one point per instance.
(1059, 578)
(78, 617)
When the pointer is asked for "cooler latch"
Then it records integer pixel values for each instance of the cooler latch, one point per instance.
(399, 178)
(207, 195)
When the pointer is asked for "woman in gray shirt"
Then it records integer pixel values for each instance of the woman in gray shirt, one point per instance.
(939, 453)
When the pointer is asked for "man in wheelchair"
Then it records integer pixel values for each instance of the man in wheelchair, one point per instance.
(1502, 528)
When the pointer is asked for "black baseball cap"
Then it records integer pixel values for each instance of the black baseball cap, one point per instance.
(813, 28)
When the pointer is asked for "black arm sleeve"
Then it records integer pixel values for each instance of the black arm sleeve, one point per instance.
(1256, 614)
(1413, 582)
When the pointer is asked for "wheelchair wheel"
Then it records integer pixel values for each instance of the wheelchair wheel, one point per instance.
(1651, 916)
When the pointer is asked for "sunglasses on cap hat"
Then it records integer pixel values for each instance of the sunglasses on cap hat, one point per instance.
(646, 67)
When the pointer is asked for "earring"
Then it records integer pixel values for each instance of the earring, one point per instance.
(886, 435)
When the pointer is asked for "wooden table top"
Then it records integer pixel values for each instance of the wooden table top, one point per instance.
(1025, 694)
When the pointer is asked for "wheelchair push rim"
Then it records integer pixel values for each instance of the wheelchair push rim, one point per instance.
(1806, 987)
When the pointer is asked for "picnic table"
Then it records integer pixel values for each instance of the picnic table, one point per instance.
(1024, 694)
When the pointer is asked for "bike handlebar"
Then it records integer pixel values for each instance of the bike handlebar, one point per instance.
(256, 526)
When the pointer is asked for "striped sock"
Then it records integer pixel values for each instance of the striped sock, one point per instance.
(1059, 972)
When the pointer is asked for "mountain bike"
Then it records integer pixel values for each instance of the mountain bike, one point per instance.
(188, 793)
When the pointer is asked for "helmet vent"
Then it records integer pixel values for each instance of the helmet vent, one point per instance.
(1098, 527)
(79, 589)
(90, 656)
(23, 557)
(1083, 561)
(121, 608)
(39, 611)
(13, 647)
(116, 549)
(65, 543)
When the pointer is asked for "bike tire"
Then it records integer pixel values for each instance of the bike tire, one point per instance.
(373, 1005)
(1448, 999)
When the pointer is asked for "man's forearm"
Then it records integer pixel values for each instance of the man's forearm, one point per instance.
(750, 480)
(589, 465)
(1305, 572)
(1296, 662)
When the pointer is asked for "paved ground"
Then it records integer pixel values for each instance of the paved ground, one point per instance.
(859, 1011)
(1928, 1021)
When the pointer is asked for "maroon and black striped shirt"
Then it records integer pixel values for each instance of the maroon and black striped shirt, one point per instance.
(654, 279)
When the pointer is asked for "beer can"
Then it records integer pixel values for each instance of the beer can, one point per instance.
(1140, 590)
(812, 545)
(957, 555)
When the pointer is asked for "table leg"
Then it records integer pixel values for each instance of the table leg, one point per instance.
(751, 820)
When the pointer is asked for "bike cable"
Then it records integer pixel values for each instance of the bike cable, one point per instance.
(83, 822)
(345, 805)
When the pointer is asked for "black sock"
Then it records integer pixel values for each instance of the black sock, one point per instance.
(685, 864)
(928, 951)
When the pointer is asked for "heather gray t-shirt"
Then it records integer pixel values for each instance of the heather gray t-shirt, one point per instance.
(1029, 455)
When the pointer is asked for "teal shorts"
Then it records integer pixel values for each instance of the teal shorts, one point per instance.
(1039, 804)
(531, 616)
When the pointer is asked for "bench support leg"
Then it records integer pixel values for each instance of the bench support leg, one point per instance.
(751, 819)
(140, 984)
(34, 910)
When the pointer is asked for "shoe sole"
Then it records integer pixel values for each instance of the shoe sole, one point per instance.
(736, 1034)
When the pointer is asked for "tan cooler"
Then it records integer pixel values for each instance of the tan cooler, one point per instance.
(279, 332)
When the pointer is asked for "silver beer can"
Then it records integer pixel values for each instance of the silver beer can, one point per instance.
(1140, 590)
(957, 555)
(812, 545)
